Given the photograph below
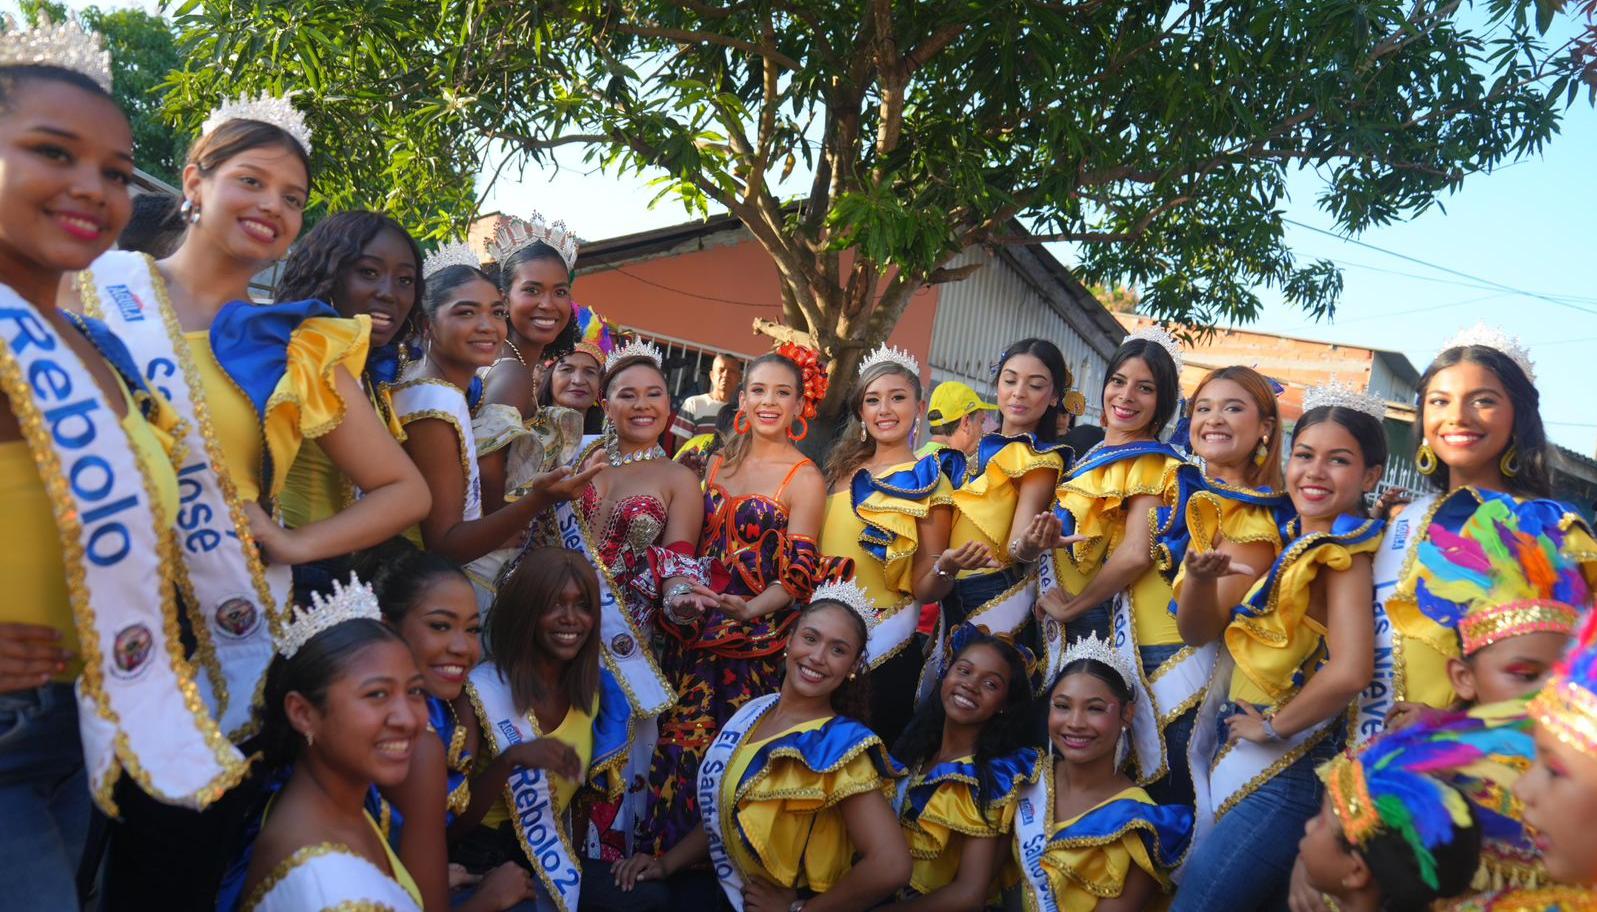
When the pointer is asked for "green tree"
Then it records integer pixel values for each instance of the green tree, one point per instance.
(1156, 136)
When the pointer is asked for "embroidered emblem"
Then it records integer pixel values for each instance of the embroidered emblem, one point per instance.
(622, 645)
(237, 617)
(132, 650)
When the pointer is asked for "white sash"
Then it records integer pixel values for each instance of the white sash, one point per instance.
(1053, 632)
(224, 581)
(1387, 568)
(543, 835)
(892, 632)
(718, 825)
(416, 398)
(331, 877)
(1004, 613)
(1033, 817)
(1147, 738)
(137, 706)
(626, 650)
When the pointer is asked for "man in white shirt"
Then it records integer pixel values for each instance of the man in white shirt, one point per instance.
(697, 414)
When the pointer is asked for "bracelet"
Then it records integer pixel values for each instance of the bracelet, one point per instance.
(678, 589)
(1014, 552)
(937, 568)
(1269, 729)
(797, 906)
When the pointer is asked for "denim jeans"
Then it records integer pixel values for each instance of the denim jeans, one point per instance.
(44, 799)
(1245, 862)
(1093, 621)
(971, 592)
(1175, 787)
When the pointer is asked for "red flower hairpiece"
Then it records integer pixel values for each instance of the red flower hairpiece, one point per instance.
(809, 363)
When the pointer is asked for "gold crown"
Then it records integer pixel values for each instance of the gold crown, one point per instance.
(345, 604)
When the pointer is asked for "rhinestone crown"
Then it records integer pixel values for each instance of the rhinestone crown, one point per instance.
(1090, 647)
(512, 234)
(887, 354)
(1338, 394)
(1156, 334)
(347, 603)
(271, 109)
(65, 45)
(1495, 337)
(454, 253)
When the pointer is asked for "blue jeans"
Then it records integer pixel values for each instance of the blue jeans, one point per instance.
(1245, 862)
(1175, 787)
(44, 799)
(1093, 621)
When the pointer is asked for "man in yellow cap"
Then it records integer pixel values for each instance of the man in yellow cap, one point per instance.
(956, 417)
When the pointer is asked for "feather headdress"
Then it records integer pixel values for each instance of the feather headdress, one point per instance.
(595, 336)
(1567, 705)
(1505, 573)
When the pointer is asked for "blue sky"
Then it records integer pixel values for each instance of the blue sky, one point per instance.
(1528, 227)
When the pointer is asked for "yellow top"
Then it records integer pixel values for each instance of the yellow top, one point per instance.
(576, 731)
(1097, 499)
(791, 814)
(30, 553)
(937, 835)
(401, 875)
(304, 404)
(1083, 869)
(1278, 649)
(891, 582)
(984, 505)
(315, 488)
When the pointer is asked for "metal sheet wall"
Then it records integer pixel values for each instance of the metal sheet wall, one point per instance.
(979, 317)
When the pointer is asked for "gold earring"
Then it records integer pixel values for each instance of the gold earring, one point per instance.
(1262, 453)
(1509, 464)
(1425, 460)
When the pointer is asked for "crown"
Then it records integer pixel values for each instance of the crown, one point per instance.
(1566, 706)
(454, 253)
(1494, 337)
(887, 354)
(1337, 394)
(1156, 334)
(849, 593)
(64, 45)
(639, 349)
(279, 111)
(511, 234)
(1090, 647)
(349, 603)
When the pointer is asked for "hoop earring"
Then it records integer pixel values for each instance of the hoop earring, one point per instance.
(1262, 453)
(189, 211)
(864, 435)
(740, 423)
(1509, 464)
(802, 433)
(1425, 459)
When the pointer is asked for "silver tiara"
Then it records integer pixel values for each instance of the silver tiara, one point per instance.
(349, 603)
(454, 253)
(637, 348)
(65, 45)
(887, 354)
(1156, 334)
(849, 593)
(1338, 394)
(512, 234)
(1090, 647)
(271, 109)
(1494, 337)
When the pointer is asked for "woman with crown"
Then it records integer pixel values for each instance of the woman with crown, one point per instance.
(89, 495)
(1117, 500)
(343, 708)
(763, 506)
(572, 380)
(969, 751)
(792, 790)
(1087, 837)
(536, 262)
(891, 513)
(361, 262)
(638, 523)
(1297, 649)
(1481, 439)
(1001, 499)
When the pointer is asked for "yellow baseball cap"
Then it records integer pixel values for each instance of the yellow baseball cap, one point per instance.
(952, 400)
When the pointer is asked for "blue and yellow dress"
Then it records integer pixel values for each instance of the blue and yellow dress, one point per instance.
(940, 808)
(1218, 510)
(985, 495)
(1089, 856)
(874, 520)
(1422, 643)
(783, 796)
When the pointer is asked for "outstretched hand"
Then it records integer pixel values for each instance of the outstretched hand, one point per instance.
(560, 483)
(1212, 565)
(1043, 534)
(971, 555)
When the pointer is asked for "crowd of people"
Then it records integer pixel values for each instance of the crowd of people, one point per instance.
(388, 594)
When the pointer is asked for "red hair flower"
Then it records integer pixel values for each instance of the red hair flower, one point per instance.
(809, 363)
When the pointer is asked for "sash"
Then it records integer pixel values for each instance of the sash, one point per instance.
(893, 632)
(897, 625)
(1053, 632)
(328, 876)
(224, 583)
(718, 825)
(543, 836)
(416, 398)
(1004, 613)
(138, 709)
(626, 649)
(1033, 814)
(1147, 735)
(1405, 529)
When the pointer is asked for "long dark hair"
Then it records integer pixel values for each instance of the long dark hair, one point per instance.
(849, 452)
(310, 672)
(852, 698)
(1003, 734)
(1054, 360)
(399, 573)
(1166, 379)
(1366, 431)
(737, 446)
(1529, 437)
(520, 603)
(328, 251)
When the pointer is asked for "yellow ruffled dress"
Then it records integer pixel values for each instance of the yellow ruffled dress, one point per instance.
(986, 497)
(938, 810)
(880, 531)
(1421, 645)
(315, 488)
(784, 795)
(1096, 497)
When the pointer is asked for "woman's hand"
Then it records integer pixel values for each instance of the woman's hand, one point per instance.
(460, 877)
(1212, 565)
(547, 754)
(1403, 714)
(1042, 534)
(630, 871)
(735, 606)
(1390, 501)
(505, 886)
(30, 655)
(277, 544)
(1249, 726)
(969, 556)
(698, 599)
(560, 483)
(760, 896)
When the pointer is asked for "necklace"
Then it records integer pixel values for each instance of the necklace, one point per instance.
(516, 351)
(612, 452)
